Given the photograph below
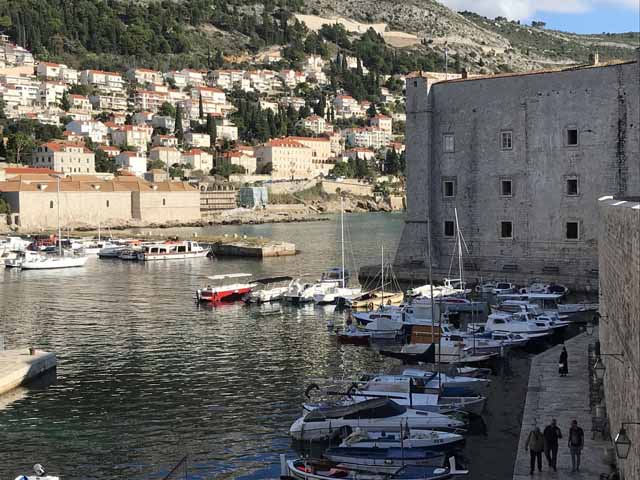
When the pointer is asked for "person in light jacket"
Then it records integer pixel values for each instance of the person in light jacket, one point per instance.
(535, 445)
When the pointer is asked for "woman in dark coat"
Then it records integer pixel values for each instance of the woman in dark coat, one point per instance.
(563, 364)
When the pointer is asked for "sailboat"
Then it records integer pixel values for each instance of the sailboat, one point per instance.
(376, 298)
(49, 262)
(331, 295)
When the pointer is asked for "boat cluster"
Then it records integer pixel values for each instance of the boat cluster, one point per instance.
(53, 253)
(411, 425)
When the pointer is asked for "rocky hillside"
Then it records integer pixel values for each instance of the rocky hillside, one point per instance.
(475, 42)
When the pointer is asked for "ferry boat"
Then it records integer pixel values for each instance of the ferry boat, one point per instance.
(172, 251)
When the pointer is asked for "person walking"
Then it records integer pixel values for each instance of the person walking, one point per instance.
(535, 445)
(576, 442)
(551, 436)
(563, 365)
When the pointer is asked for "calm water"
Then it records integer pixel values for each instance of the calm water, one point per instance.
(146, 376)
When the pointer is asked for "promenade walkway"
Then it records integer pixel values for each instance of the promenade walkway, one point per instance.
(565, 399)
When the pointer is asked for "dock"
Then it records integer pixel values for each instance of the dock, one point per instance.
(253, 249)
(18, 367)
(565, 399)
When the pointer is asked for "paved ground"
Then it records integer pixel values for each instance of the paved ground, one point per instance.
(18, 367)
(566, 399)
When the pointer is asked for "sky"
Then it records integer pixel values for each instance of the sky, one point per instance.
(579, 16)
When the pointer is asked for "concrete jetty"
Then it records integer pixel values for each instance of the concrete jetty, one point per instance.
(565, 399)
(18, 367)
(253, 249)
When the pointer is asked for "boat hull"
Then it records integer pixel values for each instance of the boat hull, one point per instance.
(50, 264)
(222, 296)
(171, 256)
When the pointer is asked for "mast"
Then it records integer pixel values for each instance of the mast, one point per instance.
(459, 241)
(382, 280)
(342, 238)
(59, 227)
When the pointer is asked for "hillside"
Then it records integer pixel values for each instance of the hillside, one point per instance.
(166, 34)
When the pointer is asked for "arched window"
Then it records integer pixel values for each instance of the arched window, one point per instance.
(51, 204)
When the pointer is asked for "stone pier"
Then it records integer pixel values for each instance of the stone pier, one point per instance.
(565, 399)
(18, 367)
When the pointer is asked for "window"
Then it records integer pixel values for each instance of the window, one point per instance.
(506, 189)
(164, 202)
(447, 142)
(506, 230)
(572, 137)
(449, 228)
(573, 231)
(572, 187)
(449, 188)
(506, 140)
(51, 204)
(107, 203)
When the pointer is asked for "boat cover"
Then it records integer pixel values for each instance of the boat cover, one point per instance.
(375, 408)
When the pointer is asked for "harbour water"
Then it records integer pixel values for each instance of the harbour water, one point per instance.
(146, 376)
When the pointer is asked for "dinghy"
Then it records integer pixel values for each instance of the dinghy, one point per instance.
(383, 460)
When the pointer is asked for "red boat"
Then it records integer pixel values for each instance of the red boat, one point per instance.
(226, 293)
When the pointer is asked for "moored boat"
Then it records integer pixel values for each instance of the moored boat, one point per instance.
(428, 439)
(225, 292)
(172, 251)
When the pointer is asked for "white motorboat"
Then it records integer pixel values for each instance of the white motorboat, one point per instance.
(417, 393)
(382, 327)
(435, 379)
(111, 251)
(266, 295)
(378, 414)
(411, 439)
(510, 323)
(299, 292)
(49, 262)
(17, 260)
(12, 246)
(543, 287)
(451, 288)
(172, 251)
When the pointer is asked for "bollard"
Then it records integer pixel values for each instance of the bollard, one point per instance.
(32, 351)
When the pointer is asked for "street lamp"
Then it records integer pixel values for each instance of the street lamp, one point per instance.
(599, 367)
(622, 441)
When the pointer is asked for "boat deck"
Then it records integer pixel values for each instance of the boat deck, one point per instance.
(17, 367)
(565, 399)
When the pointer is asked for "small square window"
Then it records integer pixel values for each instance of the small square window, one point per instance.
(448, 143)
(449, 228)
(572, 137)
(51, 204)
(449, 188)
(573, 231)
(107, 203)
(506, 140)
(572, 187)
(506, 188)
(506, 230)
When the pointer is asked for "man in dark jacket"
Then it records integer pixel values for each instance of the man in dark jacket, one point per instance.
(551, 436)
(535, 445)
(576, 442)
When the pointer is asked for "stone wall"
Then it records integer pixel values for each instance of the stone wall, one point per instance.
(538, 109)
(619, 256)
(162, 207)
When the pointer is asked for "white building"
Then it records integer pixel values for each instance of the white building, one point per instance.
(367, 137)
(144, 76)
(51, 93)
(96, 131)
(201, 140)
(136, 136)
(382, 122)
(198, 159)
(65, 157)
(132, 162)
(167, 155)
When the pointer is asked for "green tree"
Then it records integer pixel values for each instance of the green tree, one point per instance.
(65, 103)
(200, 108)
(19, 146)
(212, 129)
(179, 132)
(167, 110)
(371, 111)
(4, 207)
(226, 169)
(156, 165)
(104, 163)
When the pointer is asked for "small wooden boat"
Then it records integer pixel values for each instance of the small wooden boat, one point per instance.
(224, 292)
(383, 460)
(373, 299)
(429, 439)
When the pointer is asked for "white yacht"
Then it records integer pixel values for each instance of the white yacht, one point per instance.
(172, 251)
(48, 262)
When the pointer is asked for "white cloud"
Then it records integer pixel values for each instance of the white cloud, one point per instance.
(527, 9)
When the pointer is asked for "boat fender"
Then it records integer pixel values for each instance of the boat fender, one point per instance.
(370, 306)
(313, 386)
